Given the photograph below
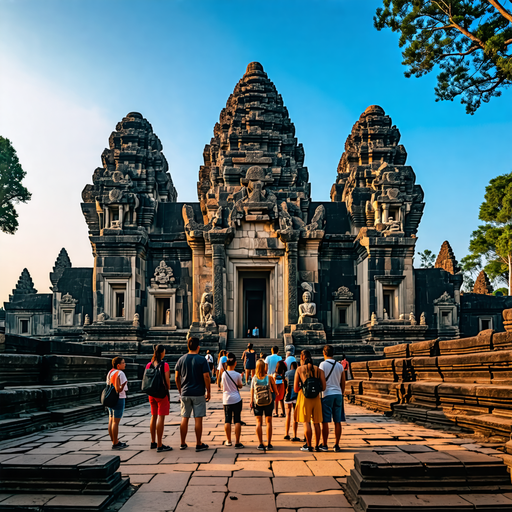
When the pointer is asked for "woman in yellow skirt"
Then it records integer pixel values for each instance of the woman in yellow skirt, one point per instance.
(308, 409)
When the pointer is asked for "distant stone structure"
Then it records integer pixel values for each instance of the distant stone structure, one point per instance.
(253, 244)
(482, 284)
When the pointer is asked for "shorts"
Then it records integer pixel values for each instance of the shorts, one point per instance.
(118, 410)
(193, 403)
(259, 410)
(233, 413)
(294, 401)
(159, 406)
(332, 409)
(308, 409)
(250, 366)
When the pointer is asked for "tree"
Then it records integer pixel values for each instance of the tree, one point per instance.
(11, 189)
(470, 41)
(427, 258)
(490, 245)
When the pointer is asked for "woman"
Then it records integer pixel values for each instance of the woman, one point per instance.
(159, 406)
(290, 400)
(279, 377)
(308, 409)
(221, 367)
(263, 386)
(232, 401)
(118, 379)
(249, 359)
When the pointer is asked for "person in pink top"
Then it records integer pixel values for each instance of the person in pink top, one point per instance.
(159, 406)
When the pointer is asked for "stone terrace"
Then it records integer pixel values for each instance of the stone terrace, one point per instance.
(225, 479)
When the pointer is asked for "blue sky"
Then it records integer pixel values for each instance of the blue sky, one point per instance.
(71, 69)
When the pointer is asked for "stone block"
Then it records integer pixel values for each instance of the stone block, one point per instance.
(360, 370)
(397, 351)
(480, 343)
(20, 369)
(382, 369)
(502, 340)
(428, 348)
(426, 368)
(74, 369)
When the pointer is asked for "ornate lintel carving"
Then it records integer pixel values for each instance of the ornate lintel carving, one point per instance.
(343, 293)
(68, 300)
(163, 276)
(445, 299)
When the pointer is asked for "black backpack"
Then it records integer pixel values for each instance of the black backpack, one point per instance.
(109, 396)
(311, 387)
(153, 381)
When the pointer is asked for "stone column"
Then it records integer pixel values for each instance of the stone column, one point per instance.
(291, 240)
(197, 246)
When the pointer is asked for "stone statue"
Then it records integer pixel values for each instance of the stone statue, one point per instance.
(374, 319)
(317, 222)
(102, 317)
(423, 320)
(385, 315)
(163, 276)
(412, 318)
(87, 320)
(307, 308)
(136, 320)
(217, 220)
(285, 219)
(393, 225)
(206, 309)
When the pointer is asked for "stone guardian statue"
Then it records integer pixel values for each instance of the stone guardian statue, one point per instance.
(307, 308)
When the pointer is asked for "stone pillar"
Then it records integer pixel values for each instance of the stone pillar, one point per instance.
(291, 239)
(197, 246)
(219, 257)
(385, 212)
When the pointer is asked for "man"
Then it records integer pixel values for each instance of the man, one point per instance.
(192, 381)
(256, 332)
(290, 356)
(209, 359)
(271, 361)
(332, 399)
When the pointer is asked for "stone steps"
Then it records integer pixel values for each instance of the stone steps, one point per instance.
(71, 482)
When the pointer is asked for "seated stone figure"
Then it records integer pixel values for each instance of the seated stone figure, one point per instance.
(206, 310)
(307, 310)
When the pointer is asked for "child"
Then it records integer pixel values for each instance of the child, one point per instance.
(232, 401)
(221, 367)
(281, 386)
(290, 400)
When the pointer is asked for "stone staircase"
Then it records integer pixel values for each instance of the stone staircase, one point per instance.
(238, 345)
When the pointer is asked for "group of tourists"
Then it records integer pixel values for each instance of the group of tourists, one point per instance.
(308, 394)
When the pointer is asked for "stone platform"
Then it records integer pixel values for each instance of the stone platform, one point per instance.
(225, 479)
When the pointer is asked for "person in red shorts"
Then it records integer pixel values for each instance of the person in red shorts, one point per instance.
(159, 406)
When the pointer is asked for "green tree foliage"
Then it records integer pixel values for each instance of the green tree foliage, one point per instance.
(470, 41)
(490, 245)
(11, 189)
(427, 258)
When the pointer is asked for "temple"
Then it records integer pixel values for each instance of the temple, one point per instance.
(255, 250)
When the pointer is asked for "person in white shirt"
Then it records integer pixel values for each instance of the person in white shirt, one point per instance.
(271, 361)
(332, 399)
(232, 401)
(117, 378)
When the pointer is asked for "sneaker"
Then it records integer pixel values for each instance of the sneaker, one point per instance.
(202, 447)
(270, 447)
(337, 448)
(153, 446)
(261, 447)
(119, 446)
(239, 446)
(322, 448)
(164, 448)
(243, 424)
(317, 447)
(295, 440)
(183, 446)
(306, 448)
(227, 444)
(287, 438)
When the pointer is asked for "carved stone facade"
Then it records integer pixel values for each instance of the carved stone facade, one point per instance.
(255, 250)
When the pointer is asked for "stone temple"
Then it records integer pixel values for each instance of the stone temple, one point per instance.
(255, 249)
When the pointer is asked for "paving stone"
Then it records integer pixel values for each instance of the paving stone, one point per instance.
(78, 501)
(326, 468)
(148, 457)
(298, 484)
(171, 482)
(489, 501)
(328, 509)
(211, 481)
(287, 468)
(414, 448)
(152, 502)
(250, 469)
(245, 503)
(141, 479)
(201, 498)
(129, 469)
(441, 502)
(310, 499)
(4, 497)
(254, 486)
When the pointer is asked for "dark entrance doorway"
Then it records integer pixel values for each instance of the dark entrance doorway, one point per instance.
(255, 304)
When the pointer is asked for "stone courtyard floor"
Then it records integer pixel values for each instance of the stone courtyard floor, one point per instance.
(225, 479)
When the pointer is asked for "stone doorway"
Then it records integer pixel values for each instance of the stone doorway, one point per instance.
(254, 310)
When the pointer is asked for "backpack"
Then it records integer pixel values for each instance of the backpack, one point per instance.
(311, 387)
(109, 396)
(262, 394)
(153, 381)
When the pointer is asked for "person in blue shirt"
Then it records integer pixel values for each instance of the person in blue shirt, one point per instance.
(271, 361)
(256, 332)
